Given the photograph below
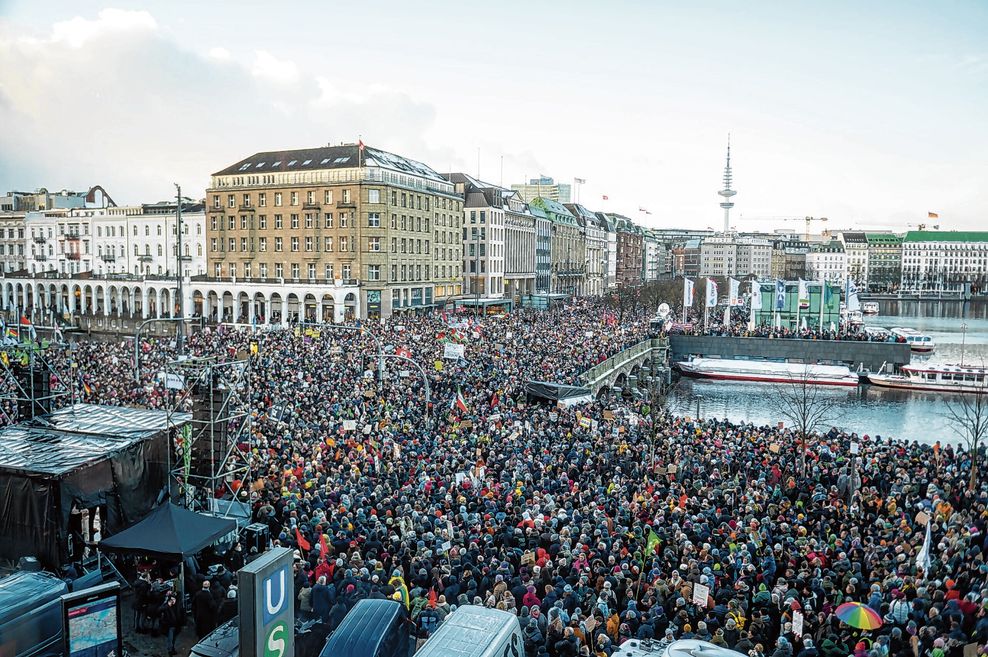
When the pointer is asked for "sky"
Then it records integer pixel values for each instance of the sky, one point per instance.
(869, 114)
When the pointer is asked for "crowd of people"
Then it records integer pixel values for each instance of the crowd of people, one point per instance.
(592, 523)
(740, 326)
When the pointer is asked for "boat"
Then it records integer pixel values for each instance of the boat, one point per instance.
(936, 378)
(761, 371)
(869, 308)
(877, 333)
(918, 342)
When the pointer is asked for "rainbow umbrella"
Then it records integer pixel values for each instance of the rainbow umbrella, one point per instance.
(859, 615)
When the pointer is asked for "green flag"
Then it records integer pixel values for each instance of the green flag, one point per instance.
(653, 541)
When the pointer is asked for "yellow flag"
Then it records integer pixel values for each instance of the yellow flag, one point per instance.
(253, 348)
(5, 358)
(439, 366)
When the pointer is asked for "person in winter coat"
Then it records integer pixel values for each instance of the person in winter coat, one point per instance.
(533, 638)
(305, 598)
(170, 619)
(321, 601)
(809, 650)
(783, 648)
(228, 608)
(204, 611)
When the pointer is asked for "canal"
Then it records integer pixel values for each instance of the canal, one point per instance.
(960, 331)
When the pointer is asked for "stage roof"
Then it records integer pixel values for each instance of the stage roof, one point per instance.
(55, 444)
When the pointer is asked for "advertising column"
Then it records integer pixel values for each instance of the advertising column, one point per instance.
(266, 605)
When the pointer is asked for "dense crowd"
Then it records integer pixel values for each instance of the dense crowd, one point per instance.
(592, 523)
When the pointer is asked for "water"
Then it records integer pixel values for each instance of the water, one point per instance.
(868, 409)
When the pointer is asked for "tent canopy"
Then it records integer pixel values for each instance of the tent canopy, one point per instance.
(170, 531)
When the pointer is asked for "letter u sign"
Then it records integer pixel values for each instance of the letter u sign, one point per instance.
(275, 594)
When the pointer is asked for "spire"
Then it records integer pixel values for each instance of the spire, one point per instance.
(727, 193)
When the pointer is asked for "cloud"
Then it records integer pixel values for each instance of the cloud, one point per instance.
(113, 100)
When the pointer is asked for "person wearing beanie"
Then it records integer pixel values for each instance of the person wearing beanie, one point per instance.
(809, 650)
(783, 648)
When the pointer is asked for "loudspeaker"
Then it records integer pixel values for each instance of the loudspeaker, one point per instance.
(256, 535)
(35, 384)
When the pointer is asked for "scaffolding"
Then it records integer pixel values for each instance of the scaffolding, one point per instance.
(211, 473)
(30, 383)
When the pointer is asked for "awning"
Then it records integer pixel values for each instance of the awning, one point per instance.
(170, 531)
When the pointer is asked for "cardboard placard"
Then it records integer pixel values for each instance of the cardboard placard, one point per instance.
(527, 558)
(922, 518)
(855, 448)
(608, 415)
(774, 448)
(700, 593)
(349, 425)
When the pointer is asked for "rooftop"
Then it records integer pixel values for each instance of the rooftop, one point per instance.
(946, 236)
(345, 156)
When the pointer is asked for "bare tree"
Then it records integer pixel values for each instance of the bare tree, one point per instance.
(969, 418)
(806, 406)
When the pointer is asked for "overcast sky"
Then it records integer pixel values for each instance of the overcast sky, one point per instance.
(871, 114)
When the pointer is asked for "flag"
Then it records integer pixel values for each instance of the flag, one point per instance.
(495, 401)
(827, 292)
(687, 292)
(711, 293)
(360, 145)
(404, 352)
(641, 209)
(401, 590)
(302, 543)
(652, 542)
(780, 294)
(253, 352)
(734, 289)
(85, 386)
(804, 295)
(756, 296)
(923, 557)
(460, 403)
(4, 358)
(323, 548)
(580, 181)
(604, 197)
(932, 215)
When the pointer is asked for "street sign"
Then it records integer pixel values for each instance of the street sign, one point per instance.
(266, 605)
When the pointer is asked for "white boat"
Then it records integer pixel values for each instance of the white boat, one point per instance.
(768, 372)
(918, 342)
(936, 378)
(870, 308)
(877, 333)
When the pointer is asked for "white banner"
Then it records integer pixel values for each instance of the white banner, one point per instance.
(687, 292)
(756, 296)
(349, 425)
(797, 624)
(171, 381)
(734, 288)
(453, 351)
(711, 293)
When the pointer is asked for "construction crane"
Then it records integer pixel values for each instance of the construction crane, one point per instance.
(807, 220)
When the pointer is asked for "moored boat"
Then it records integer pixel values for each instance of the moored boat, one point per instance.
(918, 342)
(935, 378)
(768, 372)
(869, 308)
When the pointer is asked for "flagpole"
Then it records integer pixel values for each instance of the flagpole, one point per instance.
(823, 298)
(751, 321)
(799, 289)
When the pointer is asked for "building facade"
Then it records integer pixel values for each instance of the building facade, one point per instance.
(944, 262)
(543, 187)
(519, 248)
(884, 262)
(630, 251)
(827, 261)
(568, 249)
(341, 216)
(856, 251)
(12, 244)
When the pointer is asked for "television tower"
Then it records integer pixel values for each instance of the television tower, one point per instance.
(727, 192)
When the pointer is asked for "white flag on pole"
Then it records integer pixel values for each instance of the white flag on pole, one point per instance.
(923, 558)
(711, 293)
(734, 292)
(756, 296)
(687, 292)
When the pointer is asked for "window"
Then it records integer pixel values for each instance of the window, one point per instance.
(278, 223)
(295, 202)
(343, 219)
(246, 203)
(312, 271)
(374, 244)
(262, 199)
(212, 245)
(295, 270)
(308, 244)
(262, 221)
(308, 220)
(243, 222)
(218, 270)
(394, 197)
(243, 244)
(277, 244)
(328, 244)
(394, 221)
(328, 197)
(233, 270)
(343, 243)
(147, 231)
(346, 196)
(160, 250)
(137, 250)
(294, 221)
(404, 200)
(212, 225)
(279, 270)
(394, 245)
(328, 220)
(216, 200)
(231, 222)
(262, 244)
(294, 244)
(373, 196)
(233, 245)
(277, 199)
(346, 272)
(329, 271)
(374, 220)
(263, 269)
(373, 272)
(231, 201)
(310, 197)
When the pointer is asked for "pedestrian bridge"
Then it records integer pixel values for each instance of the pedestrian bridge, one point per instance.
(627, 367)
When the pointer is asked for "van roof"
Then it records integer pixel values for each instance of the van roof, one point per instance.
(23, 591)
(470, 631)
(361, 632)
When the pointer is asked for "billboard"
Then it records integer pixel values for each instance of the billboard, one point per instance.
(91, 622)
(266, 605)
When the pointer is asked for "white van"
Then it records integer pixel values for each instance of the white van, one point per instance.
(473, 631)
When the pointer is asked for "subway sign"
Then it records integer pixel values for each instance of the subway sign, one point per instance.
(266, 605)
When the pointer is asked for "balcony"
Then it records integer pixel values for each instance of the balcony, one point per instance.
(40, 239)
(72, 237)
(144, 258)
(108, 257)
(73, 255)
(346, 204)
(40, 256)
(247, 208)
(312, 206)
